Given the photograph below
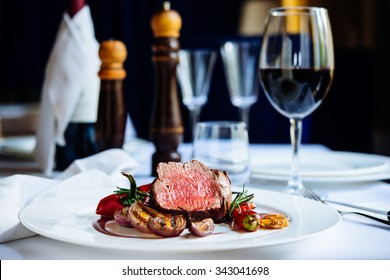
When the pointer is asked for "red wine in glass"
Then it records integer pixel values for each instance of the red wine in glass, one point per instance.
(296, 92)
(296, 69)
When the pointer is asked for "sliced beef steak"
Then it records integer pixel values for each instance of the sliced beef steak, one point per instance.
(191, 189)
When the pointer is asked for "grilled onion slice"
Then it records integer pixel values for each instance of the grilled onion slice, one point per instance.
(202, 228)
(120, 216)
(167, 225)
(149, 220)
(139, 215)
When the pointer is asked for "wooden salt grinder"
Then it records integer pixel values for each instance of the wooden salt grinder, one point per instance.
(111, 122)
(166, 123)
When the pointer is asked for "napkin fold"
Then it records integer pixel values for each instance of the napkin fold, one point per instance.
(111, 162)
(17, 191)
(71, 81)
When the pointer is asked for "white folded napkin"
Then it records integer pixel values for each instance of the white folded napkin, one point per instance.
(15, 193)
(71, 82)
(111, 162)
(18, 190)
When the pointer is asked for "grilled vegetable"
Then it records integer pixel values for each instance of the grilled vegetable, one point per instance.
(120, 217)
(149, 220)
(139, 215)
(243, 200)
(202, 228)
(242, 214)
(273, 221)
(109, 205)
(248, 220)
(167, 225)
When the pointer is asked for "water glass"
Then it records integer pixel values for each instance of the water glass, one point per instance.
(224, 145)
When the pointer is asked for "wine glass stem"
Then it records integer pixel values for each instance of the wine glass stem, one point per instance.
(194, 115)
(295, 183)
(244, 115)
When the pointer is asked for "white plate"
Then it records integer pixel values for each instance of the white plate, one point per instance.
(326, 167)
(70, 218)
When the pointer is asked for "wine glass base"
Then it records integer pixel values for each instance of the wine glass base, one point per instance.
(294, 186)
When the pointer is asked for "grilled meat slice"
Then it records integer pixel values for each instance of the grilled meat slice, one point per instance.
(191, 189)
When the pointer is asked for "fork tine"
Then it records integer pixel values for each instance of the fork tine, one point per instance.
(303, 192)
(314, 195)
(309, 193)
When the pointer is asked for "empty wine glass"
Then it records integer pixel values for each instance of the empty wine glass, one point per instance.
(194, 73)
(296, 69)
(240, 62)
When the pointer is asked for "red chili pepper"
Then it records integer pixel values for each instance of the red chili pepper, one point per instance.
(108, 205)
(145, 188)
(123, 197)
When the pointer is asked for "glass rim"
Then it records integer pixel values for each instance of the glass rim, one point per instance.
(198, 50)
(242, 43)
(222, 123)
(295, 10)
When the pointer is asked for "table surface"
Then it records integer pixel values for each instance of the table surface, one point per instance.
(353, 238)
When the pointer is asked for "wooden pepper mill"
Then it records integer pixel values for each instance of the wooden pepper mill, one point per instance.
(166, 123)
(111, 122)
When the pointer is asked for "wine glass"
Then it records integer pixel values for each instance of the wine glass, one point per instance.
(240, 62)
(194, 73)
(296, 69)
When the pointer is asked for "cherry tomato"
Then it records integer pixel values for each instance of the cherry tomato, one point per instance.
(242, 208)
(249, 220)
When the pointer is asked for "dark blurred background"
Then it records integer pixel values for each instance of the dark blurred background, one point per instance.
(355, 115)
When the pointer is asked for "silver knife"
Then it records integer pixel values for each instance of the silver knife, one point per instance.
(382, 212)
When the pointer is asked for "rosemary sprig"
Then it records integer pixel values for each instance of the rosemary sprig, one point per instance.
(129, 196)
(240, 198)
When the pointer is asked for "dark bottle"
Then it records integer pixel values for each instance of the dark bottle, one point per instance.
(111, 122)
(74, 6)
(79, 135)
(166, 122)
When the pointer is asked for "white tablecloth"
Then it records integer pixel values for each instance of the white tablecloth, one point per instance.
(354, 238)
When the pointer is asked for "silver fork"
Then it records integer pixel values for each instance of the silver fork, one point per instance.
(309, 193)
